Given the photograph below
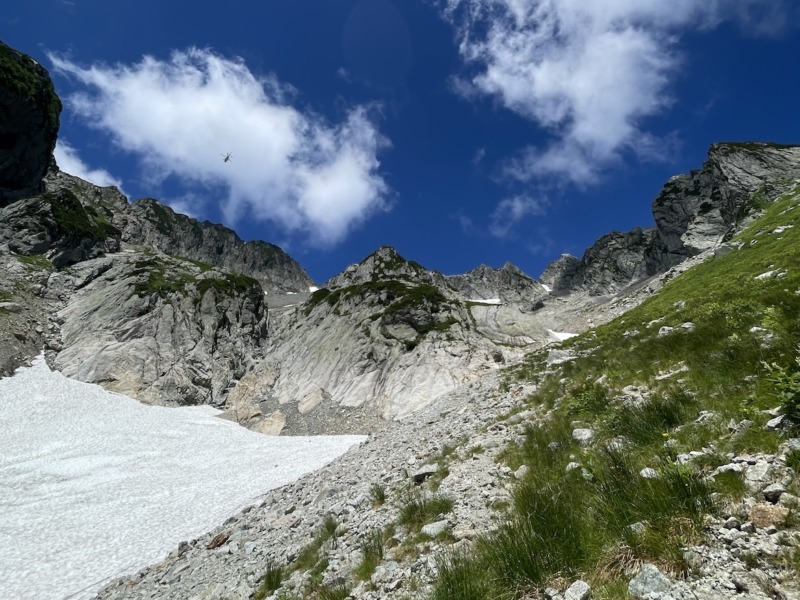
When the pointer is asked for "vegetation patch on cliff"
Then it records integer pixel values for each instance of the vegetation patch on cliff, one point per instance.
(77, 222)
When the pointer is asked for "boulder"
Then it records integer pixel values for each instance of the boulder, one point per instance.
(768, 515)
(648, 581)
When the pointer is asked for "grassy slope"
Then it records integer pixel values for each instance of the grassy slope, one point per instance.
(601, 516)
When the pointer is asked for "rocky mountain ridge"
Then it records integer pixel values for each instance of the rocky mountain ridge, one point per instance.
(694, 212)
(380, 340)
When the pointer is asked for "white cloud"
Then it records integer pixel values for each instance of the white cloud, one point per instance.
(511, 211)
(587, 72)
(68, 161)
(289, 167)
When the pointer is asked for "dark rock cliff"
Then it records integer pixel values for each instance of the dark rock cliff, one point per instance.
(152, 224)
(29, 110)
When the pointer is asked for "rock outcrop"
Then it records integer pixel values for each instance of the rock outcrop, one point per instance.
(506, 284)
(694, 212)
(58, 225)
(383, 339)
(697, 210)
(29, 111)
(379, 341)
(158, 329)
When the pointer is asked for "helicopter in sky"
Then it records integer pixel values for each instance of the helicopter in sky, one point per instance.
(226, 157)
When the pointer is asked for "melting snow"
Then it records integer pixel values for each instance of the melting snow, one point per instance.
(560, 336)
(95, 485)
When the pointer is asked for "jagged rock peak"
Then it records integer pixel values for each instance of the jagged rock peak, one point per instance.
(507, 284)
(29, 125)
(696, 210)
(563, 274)
(383, 264)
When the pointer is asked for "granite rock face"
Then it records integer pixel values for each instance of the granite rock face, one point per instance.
(59, 225)
(384, 339)
(507, 284)
(29, 111)
(165, 330)
(693, 213)
(158, 329)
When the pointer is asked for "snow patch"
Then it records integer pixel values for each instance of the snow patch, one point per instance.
(547, 288)
(493, 301)
(312, 288)
(561, 336)
(95, 485)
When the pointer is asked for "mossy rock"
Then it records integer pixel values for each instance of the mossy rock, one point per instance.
(29, 112)
(76, 222)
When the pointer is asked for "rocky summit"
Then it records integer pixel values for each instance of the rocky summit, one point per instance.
(624, 426)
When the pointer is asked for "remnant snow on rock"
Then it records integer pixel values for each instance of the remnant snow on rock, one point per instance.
(560, 336)
(94, 485)
(494, 301)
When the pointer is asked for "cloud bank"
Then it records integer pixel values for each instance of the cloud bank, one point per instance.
(289, 166)
(590, 73)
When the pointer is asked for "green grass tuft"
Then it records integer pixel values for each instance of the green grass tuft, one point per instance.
(372, 549)
(419, 509)
(270, 581)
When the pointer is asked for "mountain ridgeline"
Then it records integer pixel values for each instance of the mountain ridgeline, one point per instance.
(169, 310)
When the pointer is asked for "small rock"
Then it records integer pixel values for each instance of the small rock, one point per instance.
(435, 528)
(552, 594)
(638, 528)
(648, 581)
(776, 423)
(218, 540)
(772, 493)
(422, 473)
(732, 523)
(521, 472)
(11, 307)
(464, 532)
(648, 473)
(579, 590)
(768, 515)
(583, 436)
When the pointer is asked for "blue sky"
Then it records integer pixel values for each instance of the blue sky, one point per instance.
(459, 131)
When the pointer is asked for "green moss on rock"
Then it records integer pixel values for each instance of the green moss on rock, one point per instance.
(75, 222)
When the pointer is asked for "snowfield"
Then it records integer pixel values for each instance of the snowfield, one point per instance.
(94, 485)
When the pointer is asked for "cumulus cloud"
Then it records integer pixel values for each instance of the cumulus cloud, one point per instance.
(587, 72)
(68, 161)
(511, 211)
(291, 167)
